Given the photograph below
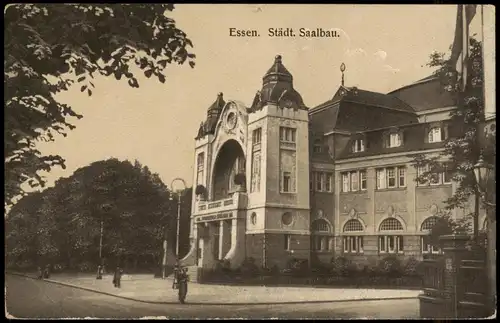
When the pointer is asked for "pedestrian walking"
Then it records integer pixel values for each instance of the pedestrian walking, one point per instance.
(99, 272)
(117, 277)
(39, 272)
(46, 273)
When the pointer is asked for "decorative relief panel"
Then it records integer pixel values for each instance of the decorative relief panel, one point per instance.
(426, 197)
(396, 200)
(351, 201)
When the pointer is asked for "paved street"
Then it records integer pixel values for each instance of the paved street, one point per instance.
(28, 298)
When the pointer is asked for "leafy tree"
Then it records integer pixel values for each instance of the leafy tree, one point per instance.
(50, 47)
(62, 224)
(461, 149)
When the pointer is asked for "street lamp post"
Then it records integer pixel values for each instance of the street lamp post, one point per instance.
(483, 173)
(178, 214)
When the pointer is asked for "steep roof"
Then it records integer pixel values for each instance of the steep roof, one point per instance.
(425, 94)
(277, 87)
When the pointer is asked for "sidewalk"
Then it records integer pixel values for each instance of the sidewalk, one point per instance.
(145, 288)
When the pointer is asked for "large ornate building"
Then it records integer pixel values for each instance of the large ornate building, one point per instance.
(278, 180)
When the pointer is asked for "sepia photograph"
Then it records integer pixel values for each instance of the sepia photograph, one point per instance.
(249, 161)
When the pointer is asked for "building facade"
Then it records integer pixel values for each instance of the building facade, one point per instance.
(278, 181)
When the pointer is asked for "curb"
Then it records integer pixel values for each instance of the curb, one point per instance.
(213, 303)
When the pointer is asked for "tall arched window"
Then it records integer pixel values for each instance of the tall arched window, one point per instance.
(389, 241)
(425, 240)
(321, 232)
(352, 242)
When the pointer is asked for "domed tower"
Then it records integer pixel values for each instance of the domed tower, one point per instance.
(278, 146)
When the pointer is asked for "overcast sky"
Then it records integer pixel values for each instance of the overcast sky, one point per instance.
(383, 47)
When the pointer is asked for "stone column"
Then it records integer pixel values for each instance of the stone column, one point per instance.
(221, 240)
(226, 238)
(454, 249)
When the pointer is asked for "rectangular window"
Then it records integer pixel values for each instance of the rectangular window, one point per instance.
(399, 244)
(345, 182)
(353, 244)
(328, 183)
(447, 175)
(382, 245)
(402, 176)
(435, 135)
(287, 181)
(358, 145)
(420, 171)
(288, 240)
(381, 183)
(435, 179)
(200, 166)
(391, 177)
(346, 244)
(424, 241)
(390, 244)
(362, 179)
(394, 140)
(319, 182)
(287, 134)
(360, 244)
(354, 181)
(257, 136)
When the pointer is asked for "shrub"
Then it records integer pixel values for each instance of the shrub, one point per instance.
(390, 266)
(248, 268)
(411, 267)
(341, 266)
(298, 267)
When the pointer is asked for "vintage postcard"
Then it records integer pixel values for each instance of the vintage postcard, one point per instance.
(249, 161)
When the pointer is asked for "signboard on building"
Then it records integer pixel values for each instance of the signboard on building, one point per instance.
(214, 217)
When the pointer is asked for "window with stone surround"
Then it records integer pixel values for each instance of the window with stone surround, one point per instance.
(287, 182)
(389, 241)
(439, 175)
(394, 140)
(435, 135)
(358, 145)
(287, 242)
(321, 235)
(288, 134)
(391, 177)
(322, 181)
(352, 243)
(200, 167)
(255, 175)
(353, 181)
(317, 147)
(362, 180)
(257, 136)
(353, 225)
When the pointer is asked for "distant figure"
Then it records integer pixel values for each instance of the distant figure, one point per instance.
(99, 272)
(39, 272)
(117, 277)
(46, 273)
(176, 275)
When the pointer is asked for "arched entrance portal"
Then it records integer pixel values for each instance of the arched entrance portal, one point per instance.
(230, 161)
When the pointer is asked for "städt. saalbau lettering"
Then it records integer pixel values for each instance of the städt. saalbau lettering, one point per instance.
(318, 32)
(303, 32)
